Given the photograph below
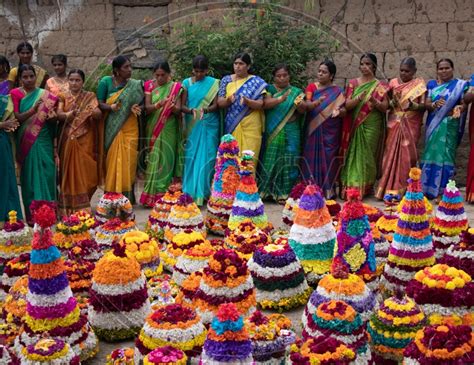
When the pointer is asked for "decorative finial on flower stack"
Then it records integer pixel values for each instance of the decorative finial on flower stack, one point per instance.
(12, 216)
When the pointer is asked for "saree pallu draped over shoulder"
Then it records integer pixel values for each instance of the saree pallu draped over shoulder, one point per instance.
(121, 134)
(202, 138)
(362, 134)
(321, 161)
(279, 168)
(404, 129)
(443, 135)
(35, 148)
(470, 169)
(164, 136)
(78, 154)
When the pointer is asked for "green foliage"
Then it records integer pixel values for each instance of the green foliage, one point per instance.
(269, 36)
(105, 69)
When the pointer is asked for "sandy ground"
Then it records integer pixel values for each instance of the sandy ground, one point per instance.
(274, 214)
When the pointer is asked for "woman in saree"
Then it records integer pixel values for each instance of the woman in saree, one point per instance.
(163, 107)
(58, 84)
(241, 94)
(8, 186)
(202, 125)
(444, 128)
(469, 99)
(324, 105)
(407, 106)
(363, 128)
(36, 154)
(78, 112)
(24, 51)
(284, 106)
(119, 96)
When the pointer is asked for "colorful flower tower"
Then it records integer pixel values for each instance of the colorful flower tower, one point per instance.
(225, 279)
(337, 319)
(49, 351)
(247, 204)
(111, 231)
(387, 223)
(158, 218)
(291, 205)
(145, 250)
(171, 325)
(278, 277)
(322, 351)
(461, 256)
(166, 355)
(51, 307)
(114, 205)
(355, 245)
(185, 215)
(227, 341)
(70, 231)
(15, 239)
(246, 238)
(441, 345)
(179, 244)
(118, 297)
(14, 308)
(412, 246)
(192, 260)
(121, 356)
(224, 185)
(393, 327)
(13, 270)
(449, 220)
(312, 236)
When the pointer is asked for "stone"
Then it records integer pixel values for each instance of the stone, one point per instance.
(435, 11)
(360, 11)
(401, 11)
(420, 37)
(464, 11)
(141, 2)
(140, 16)
(89, 17)
(182, 11)
(129, 45)
(460, 36)
(333, 11)
(425, 64)
(370, 37)
(347, 64)
(140, 53)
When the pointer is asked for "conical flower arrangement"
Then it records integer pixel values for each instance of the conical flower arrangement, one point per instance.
(227, 341)
(387, 223)
(247, 204)
(145, 250)
(70, 231)
(114, 205)
(15, 239)
(192, 260)
(224, 185)
(355, 245)
(412, 246)
(178, 245)
(49, 351)
(291, 205)
(312, 236)
(51, 307)
(449, 221)
(246, 238)
(461, 256)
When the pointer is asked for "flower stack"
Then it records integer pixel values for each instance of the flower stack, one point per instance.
(322, 351)
(13, 270)
(246, 238)
(412, 246)
(338, 320)
(278, 277)
(334, 209)
(173, 325)
(188, 288)
(49, 351)
(192, 260)
(180, 242)
(79, 273)
(15, 239)
(449, 221)
(355, 244)
(166, 355)
(373, 213)
(269, 344)
(121, 356)
(342, 285)
(227, 341)
(387, 223)
(441, 345)
(291, 205)
(444, 293)
(7, 356)
(224, 185)
(158, 218)
(114, 205)
(51, 308)
(225, 279)
(247, 204)
(118, 297)
(185, 215)
(461, 256)
(70, 231)
(393, 327)
(14, 308)
(145, 250)
(112, 231)
(88, 250)
(312, 236)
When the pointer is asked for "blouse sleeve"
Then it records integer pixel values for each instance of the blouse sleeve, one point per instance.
(309, 91)
(223, 86)
(16, 99)
(102, 91)
(12, 74)
(148, 86)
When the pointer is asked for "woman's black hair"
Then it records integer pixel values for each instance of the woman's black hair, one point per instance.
(118, 62)
(448, 60)
(23, 45)
(79, 72)
(331, 67)
(245, 57)
(162, 65)
(410, 62)
(59, 58)
(371, 57)
(280, 66)
(24, 68)
(200, 62)
(4, 62)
